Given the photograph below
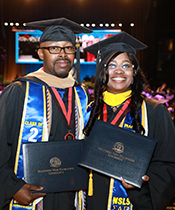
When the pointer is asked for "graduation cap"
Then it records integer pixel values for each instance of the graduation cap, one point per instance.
(59, 29)
(121, 42)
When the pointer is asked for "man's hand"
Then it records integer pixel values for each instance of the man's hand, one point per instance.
(128, 186)
(24, 196)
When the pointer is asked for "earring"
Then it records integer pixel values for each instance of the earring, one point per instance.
(132, 81)
(134, 72)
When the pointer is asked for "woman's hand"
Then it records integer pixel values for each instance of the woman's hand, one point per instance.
(145, 178)
(128, 186)
(24, 196)
(125, 185)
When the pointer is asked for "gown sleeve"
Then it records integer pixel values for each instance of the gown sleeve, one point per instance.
(11, 106)
(160, 189)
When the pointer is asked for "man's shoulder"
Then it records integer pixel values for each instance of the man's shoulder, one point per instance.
(14, 91)
(15, 85)
(82, 88)
(82, 92)
(31, 79)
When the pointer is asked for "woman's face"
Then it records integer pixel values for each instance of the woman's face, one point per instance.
(120, 74)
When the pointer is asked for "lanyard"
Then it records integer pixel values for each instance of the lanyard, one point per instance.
(118, 118)
(67, 114)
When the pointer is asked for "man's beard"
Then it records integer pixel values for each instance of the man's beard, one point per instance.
(62, 75)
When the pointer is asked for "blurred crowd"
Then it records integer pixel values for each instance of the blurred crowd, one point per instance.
(1, 88)
(163, 94)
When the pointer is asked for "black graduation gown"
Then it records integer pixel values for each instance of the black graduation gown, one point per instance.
(159, 191)
(11, 106)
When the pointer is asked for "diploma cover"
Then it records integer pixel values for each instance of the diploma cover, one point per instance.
(54, 165)
(117, 152)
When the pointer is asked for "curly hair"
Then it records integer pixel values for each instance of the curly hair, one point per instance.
(101, 80)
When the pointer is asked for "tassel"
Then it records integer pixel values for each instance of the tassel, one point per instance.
(77, 65)
(90, 188)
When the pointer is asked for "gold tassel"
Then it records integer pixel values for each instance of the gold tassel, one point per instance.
(90, 188)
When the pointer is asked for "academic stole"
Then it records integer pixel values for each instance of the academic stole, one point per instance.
(118, 198)
(34, 125)
(81, 99)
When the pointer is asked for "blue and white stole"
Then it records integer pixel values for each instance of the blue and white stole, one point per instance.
(118, 198)
(34, 128)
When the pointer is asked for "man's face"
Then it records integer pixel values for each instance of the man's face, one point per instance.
(56, 64)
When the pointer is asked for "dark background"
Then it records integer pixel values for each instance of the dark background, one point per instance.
(154, 25)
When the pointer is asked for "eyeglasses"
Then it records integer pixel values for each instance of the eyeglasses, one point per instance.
(123, 66)
(57, 49)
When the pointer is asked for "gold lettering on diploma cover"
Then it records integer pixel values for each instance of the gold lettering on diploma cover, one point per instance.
(118, 149)
(55, 163)
(54, 171)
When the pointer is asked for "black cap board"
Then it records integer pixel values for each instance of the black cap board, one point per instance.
(59, 29)
(121, 42)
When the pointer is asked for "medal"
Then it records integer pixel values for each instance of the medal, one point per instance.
(69, 136)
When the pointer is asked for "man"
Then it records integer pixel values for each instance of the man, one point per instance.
(49, 97)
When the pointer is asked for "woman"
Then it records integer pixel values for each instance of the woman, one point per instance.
(118, 80)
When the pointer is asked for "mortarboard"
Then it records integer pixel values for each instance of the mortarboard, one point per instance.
(121, 42)
(59, 29)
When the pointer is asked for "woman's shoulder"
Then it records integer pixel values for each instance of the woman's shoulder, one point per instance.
(154, 106)
(153, 103)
